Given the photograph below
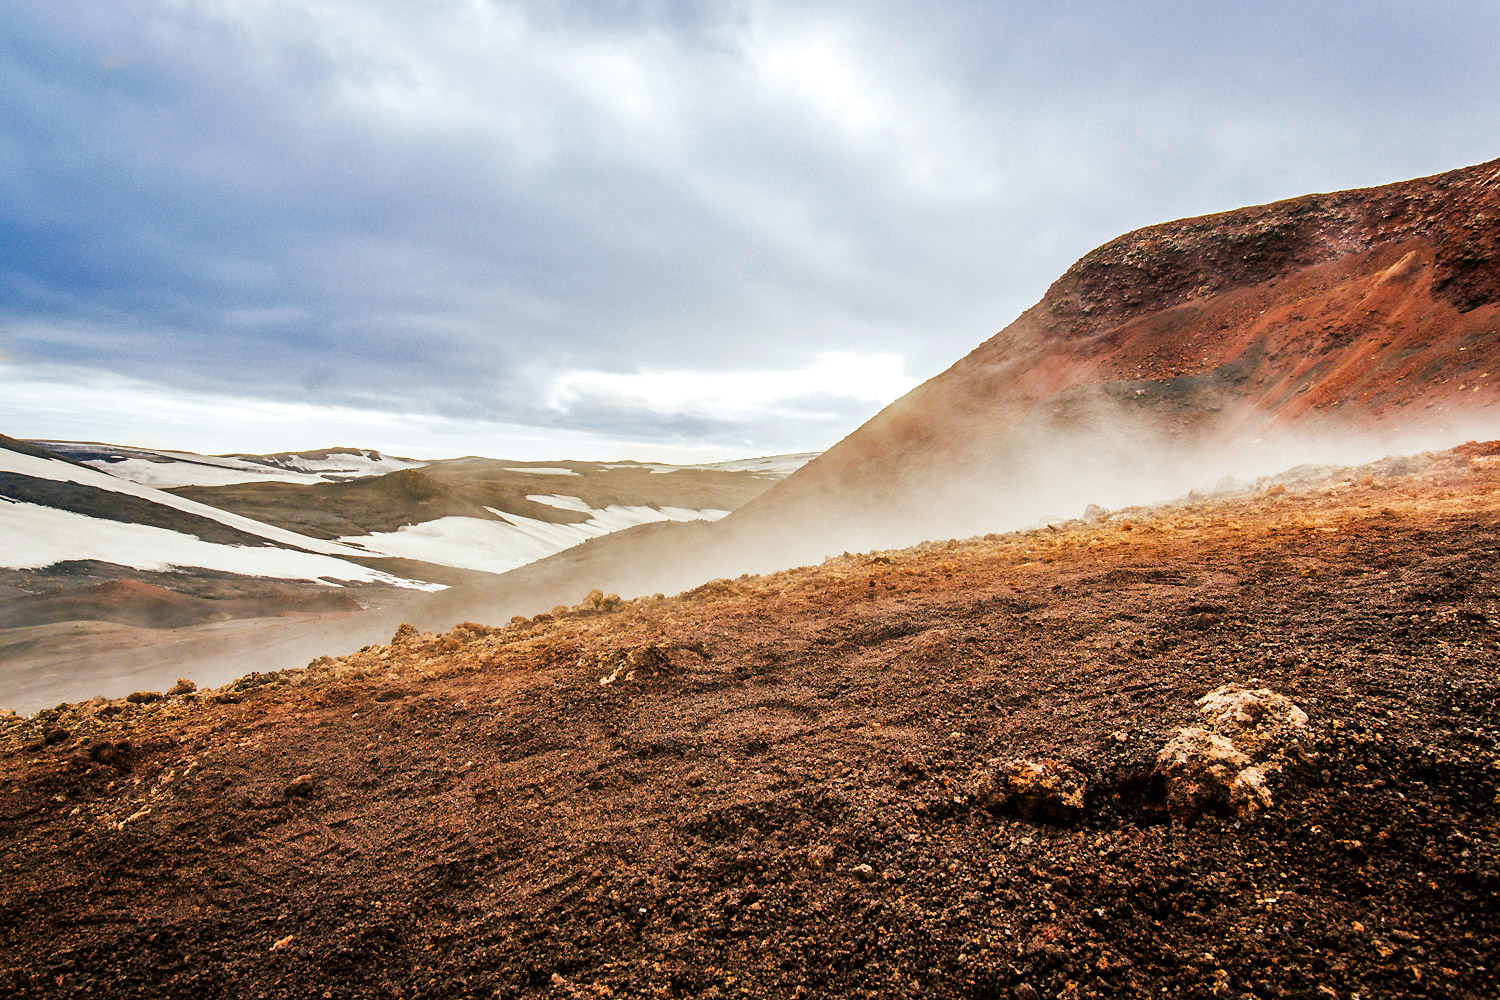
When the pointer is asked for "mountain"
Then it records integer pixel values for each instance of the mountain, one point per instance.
(1344, 325)
(54, 512)
(490, 515)
(108, 582)
(1202, 354)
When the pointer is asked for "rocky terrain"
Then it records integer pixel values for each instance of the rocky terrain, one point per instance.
(1243, 745)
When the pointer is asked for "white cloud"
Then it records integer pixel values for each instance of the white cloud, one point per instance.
(878, 378)
(438, 207)
(60, 403)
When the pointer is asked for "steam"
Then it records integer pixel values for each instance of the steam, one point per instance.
(1105, 445)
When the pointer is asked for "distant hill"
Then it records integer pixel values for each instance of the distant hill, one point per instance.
(86, 536)
(164, 469)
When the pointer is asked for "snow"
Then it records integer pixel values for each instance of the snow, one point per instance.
(777, 465)
(556, 500)
(649, 467)
(33, 536)
(769, 465)
(514, 540)
(546, 471)
(170, 469)
(167, 475)
(47, 468)
(345, 464)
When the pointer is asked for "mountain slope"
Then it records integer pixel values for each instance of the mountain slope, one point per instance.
(1182, 352)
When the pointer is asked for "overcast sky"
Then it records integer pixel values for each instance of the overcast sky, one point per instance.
(663, 230)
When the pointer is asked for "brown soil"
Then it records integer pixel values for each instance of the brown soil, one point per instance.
(679, 797)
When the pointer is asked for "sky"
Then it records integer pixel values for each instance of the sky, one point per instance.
(663, 231)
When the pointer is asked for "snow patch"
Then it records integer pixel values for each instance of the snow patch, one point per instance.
(33, 537)
(546, 471)
(170, 469)
(345, 465)
(169, 475)
(63, 472)
(777, 465)
(515, 540)
(769, 465)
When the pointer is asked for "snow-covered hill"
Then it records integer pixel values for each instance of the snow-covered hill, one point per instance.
(54, 511)
(70, 511)
(168, 469)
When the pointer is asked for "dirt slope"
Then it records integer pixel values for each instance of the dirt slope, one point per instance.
(812, 783)
(1188, 344)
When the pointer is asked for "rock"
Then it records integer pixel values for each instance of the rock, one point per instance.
(1253, 717)
(405, 632)
(304, 786)
(1248, 734)
(1044, 789)
(144, 697)
(183, 686)
(864, 873)
(1199, 769)
(821, 856)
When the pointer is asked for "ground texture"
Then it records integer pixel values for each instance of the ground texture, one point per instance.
(946, 771)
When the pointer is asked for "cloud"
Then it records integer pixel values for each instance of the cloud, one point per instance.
(62, 403)
(453, 208)
(874, 378)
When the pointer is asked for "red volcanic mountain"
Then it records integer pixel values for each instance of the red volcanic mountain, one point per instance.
(1184, 351)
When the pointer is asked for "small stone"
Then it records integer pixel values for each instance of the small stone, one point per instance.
(864, 873)
(143, 697)
(304, 786)
(283, 944)
(183, 686)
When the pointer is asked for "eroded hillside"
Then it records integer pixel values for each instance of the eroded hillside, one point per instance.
(976, 768)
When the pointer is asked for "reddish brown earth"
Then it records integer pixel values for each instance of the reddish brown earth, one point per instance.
(1373, 311)
(480, 813)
